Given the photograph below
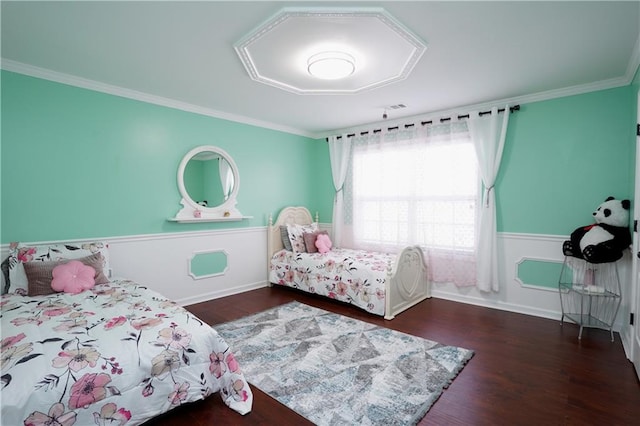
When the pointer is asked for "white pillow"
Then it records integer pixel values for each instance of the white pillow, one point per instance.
(296, 236)
(20, 253)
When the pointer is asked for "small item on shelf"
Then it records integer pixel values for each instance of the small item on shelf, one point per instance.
(227, 214)
(588, 288)
(197, 213)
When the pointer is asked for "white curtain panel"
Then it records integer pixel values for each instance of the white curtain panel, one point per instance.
(488, 133)
(339, 151)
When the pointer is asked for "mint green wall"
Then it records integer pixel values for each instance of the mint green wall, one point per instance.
(83, 164)
(562, 158)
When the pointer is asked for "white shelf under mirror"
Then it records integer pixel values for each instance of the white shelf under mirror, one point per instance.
(211, 219)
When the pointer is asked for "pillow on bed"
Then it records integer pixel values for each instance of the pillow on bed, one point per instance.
(20, 254)
(40, 274)
(310, 240)
(284, 235)
(296, 235)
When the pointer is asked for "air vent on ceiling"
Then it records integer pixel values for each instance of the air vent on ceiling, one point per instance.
(397, 106)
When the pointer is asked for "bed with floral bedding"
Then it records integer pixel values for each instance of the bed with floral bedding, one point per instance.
(115, 354)
(384, 284)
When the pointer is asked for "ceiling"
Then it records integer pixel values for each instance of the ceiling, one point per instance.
(182, 54)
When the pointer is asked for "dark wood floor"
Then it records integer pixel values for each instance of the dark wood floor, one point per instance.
(525, 371)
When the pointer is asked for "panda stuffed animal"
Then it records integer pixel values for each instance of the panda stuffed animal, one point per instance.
(607, 239)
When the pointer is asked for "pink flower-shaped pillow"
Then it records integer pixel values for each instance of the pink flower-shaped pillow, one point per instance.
(323, 243)
(73, 277)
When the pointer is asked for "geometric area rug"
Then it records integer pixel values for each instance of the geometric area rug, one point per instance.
(336, 370)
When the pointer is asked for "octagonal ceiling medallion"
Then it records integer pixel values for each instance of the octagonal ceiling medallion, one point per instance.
(377, 49)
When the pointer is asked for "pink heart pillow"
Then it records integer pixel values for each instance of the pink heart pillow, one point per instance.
(323, 243)
(73, 277)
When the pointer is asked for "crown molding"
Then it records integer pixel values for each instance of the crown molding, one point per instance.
(58, 77)
(634, 62)
(633, 67)
(72, 80)
(520, 100)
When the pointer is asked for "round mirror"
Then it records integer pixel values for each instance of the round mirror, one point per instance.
(208, 179)
(208, 182)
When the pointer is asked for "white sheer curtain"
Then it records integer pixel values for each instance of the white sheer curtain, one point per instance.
(488, 133)
(339, 153)
(416, 185)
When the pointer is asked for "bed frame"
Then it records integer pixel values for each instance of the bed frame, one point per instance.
(406, 283)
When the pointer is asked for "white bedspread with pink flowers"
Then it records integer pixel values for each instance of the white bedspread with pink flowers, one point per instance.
(118, 354)
(353, 276)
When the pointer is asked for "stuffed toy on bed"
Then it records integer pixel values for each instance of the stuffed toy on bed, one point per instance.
(323, 243)
(607, 239)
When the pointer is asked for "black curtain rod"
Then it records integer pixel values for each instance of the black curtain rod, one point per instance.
(424, 123)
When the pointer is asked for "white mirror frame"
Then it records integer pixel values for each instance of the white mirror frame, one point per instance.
(192, 211)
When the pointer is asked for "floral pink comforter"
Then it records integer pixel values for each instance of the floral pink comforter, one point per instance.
(114, 355)
(353, 276)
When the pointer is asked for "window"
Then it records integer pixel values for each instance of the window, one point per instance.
(418, 190)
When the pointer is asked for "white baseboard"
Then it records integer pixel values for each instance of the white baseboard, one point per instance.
(221, 293)
(503, 306)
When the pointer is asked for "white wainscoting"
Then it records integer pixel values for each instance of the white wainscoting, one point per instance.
(161, 261)
(514, 296)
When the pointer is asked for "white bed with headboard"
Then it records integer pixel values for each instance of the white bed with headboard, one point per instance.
(381, 283)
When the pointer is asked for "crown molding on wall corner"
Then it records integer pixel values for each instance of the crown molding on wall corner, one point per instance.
(634, 62)
(72, 80)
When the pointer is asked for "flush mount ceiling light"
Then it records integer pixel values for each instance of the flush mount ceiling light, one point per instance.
(289, 50)
(331, 65)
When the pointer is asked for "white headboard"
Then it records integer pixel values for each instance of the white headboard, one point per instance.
(288, 215)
